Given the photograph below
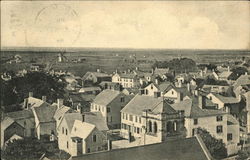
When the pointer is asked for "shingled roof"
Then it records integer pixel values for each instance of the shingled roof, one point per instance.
(45, 112)
(141, 102)
(188, 149)
(106, 97)
(192, 110)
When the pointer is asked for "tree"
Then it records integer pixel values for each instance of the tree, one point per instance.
(40, 83)
(243, 154)
(216, 147)
(32, 148)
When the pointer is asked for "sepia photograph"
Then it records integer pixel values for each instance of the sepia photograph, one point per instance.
(125, 80)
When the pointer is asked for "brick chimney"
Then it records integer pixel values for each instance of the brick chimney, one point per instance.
(25, 103)
(83, 118)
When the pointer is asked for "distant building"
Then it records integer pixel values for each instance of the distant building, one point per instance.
(110, 85)
(127, 80)
(156, 88)
(110, 103)
(150, 119)
(90, 90)
(177, 93)
(96, 77)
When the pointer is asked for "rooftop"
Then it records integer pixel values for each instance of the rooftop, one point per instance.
(188, 149)
(192, 110)
(105, 97)
(141, 102)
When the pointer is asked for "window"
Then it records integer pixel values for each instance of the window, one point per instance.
(195, 121)
(108, 109)
(135, 118)
(152, 87)
(175, 126)
(172, 92)
(219, 118)
(138, 130)
(67, 144)
(229, 136)
(94, 138)
(126, 116)
(219, 129)
(131, 117)
(110, 119)
(210, 98)
(62, 130)
(88, 150)
(155, 127)
(139, 119)
(66, 132)
(24, 123)
(146, 92)
(75, 128)
(135, 129)
(149, 126)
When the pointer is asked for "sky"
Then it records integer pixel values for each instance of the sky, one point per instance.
(126, 24)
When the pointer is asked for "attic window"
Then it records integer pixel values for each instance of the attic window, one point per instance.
(172, 92)
(94, 138)
(75, 128)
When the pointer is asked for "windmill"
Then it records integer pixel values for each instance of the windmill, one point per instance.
(62, 57)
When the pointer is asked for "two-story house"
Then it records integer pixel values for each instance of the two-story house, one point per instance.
(127, 80)
(110, 103)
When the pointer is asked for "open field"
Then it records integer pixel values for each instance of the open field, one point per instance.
(110, 59)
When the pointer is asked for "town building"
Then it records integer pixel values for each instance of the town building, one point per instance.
(109, 103)
(218, 123)
(96, 77)
(150, 119)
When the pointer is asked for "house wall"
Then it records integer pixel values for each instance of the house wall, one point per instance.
(137, 122)
(14, 128)
(171, 94)
(116, 78)
(151, 89)
(210, 127)
(99, 145)
(47, 127)
(29, 125)
(215, 100)
(232, 147)
(63, 138)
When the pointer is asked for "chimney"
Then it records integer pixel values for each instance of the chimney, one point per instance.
(152, 71)
(157, 94)
(201, 73)
(245, 73)
(109, 145)
(59, 103)
(98, 70)
(188, 87)
(25, 103)
(201, 101)
(44, 98)
(228, 68)
(83, 118)
(30, 94)
(128, 70)
(156, 81)
(136, 68)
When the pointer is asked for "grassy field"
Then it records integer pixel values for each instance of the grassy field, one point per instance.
(110, 59)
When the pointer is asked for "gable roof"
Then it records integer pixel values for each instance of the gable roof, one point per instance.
(106, 97)
(162, 87)
(96, 74)
(192, 110)
(45, 112)
(88, 89)
(23, 114)
(182, 90)
(70, 119)
(96, 119)
(228, 100)
(225, 74)
(242, 80)
(188, 149)
(141, 102)
(6, 122)
(83, 129)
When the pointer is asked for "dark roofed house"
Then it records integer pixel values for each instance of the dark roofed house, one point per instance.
(188, 149)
